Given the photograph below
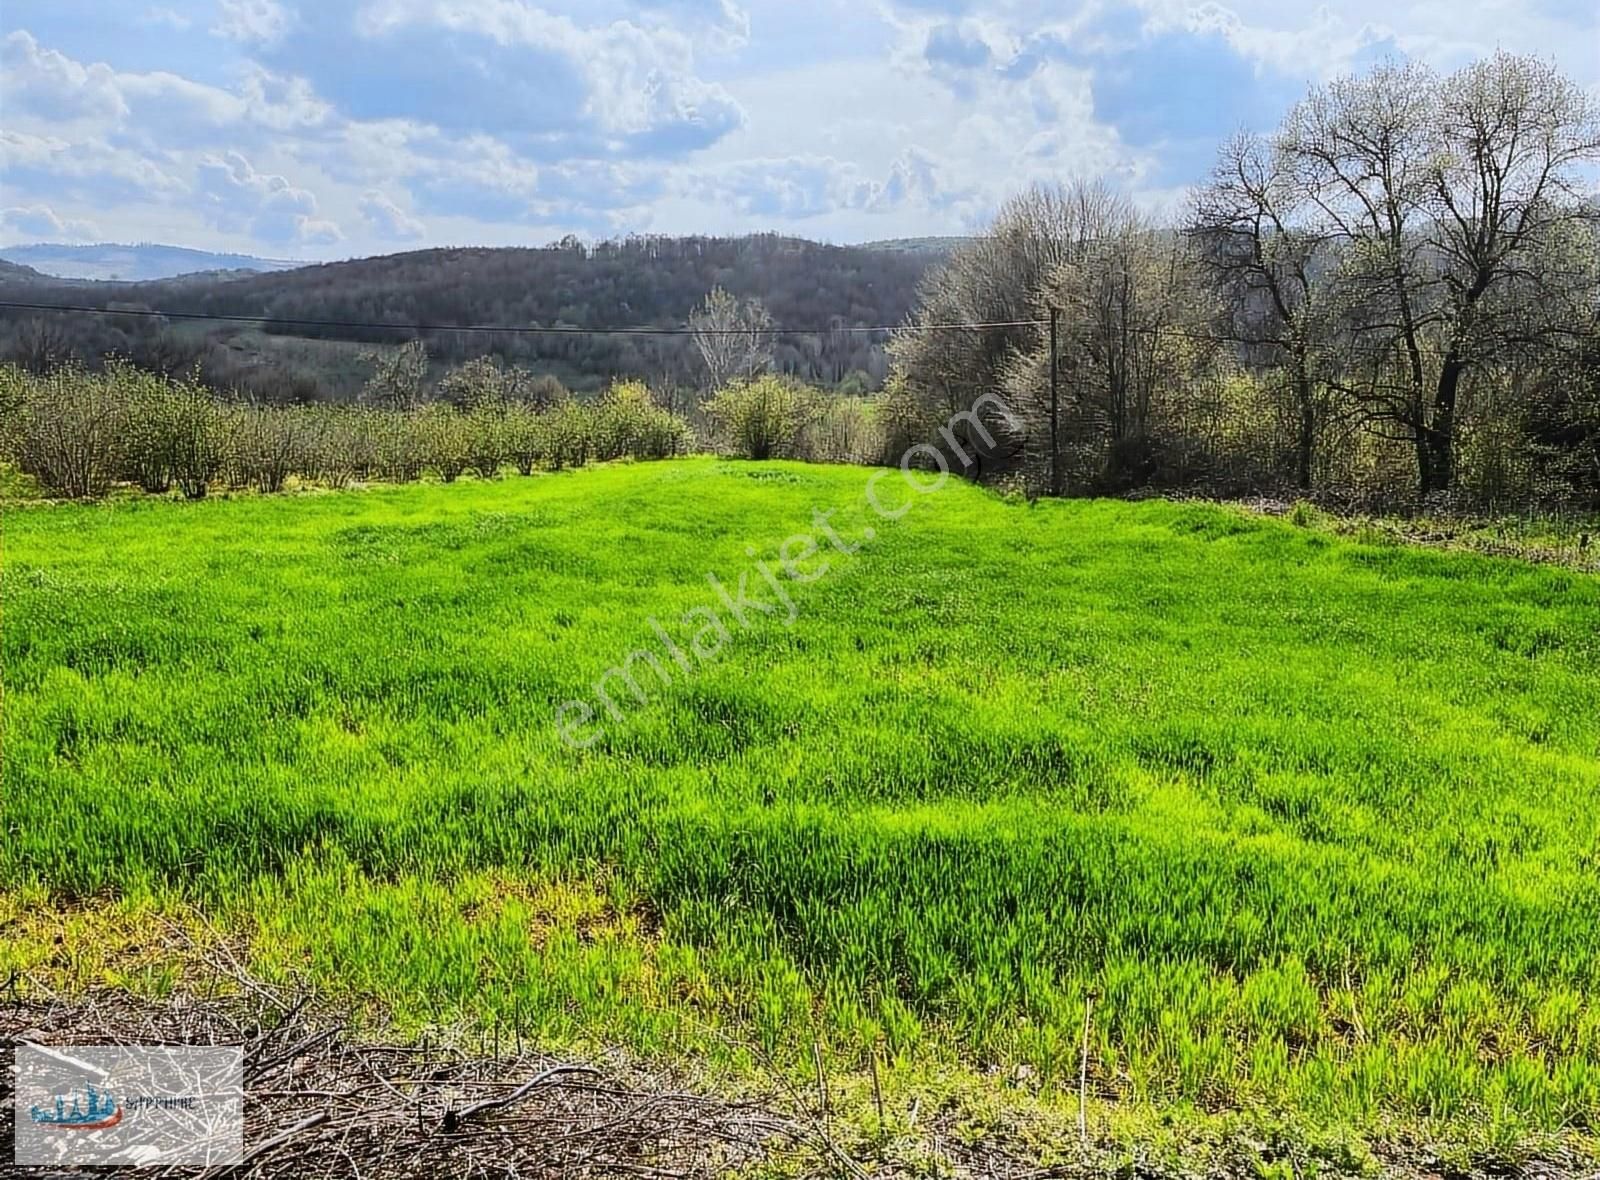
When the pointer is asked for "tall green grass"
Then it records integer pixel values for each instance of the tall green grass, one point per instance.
(1314, 822)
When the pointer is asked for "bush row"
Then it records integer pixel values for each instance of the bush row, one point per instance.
(774, 417)
(81, 432)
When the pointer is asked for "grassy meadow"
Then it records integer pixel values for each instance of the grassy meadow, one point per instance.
(1315, 822)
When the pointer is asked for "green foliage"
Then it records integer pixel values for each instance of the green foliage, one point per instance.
(843, 430)
(399, 446)
(566, 434)
(627, 423)
(524, 437)
(175, 431)
(79, 432)
(13, 391)
(1312, 819)
(480, 383)
(900, 419)
(343, 444)
(488, 443)
(762, 418)
(197, 437)
(147, 448)
(447, 441)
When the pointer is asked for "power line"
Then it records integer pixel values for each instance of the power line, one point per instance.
(519, 329)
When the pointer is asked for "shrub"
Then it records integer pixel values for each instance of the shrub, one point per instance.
(341, 443)
(78, 432)
(445, 442)
(523, 437)
(843, 431)
(486, 439)
(764, 418)
(71, 430)
(565, 433)
(147, 444)
(627, 423)
(267, 445)
(197, 438)
(477, 383)
(399, 450)
(901, 421)
(13, 392)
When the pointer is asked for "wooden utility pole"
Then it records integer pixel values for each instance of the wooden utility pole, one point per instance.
(1055, 406)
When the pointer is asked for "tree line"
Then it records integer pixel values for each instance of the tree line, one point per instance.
(1392, 297)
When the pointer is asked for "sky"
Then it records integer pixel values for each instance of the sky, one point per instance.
(323, 129)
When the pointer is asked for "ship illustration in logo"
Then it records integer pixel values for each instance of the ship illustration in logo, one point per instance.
(93, 1110)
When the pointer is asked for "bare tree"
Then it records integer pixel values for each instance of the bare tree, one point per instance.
(1269, 259)
(1002, 278)
(1452, 197)
(1507, 220)
(41, 344)
(481, 383)
(734, 337)
(1128, 341)
(1360, 148)
(397, 376)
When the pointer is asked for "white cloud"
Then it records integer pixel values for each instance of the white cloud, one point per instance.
(160, 110)
(388, 220)
(91, 169)
(283, 104)
(723, 25)
(537, 77)
(290, 121)
(169, 17)
(46, 83)
(41, 221)
(253, 22)
(798, 188)
(1322, 47)
(238, 199)
(169, 108)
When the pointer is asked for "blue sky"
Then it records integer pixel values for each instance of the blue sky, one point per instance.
(333, 128)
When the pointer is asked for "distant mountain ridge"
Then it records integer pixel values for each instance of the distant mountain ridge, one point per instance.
(143, 262)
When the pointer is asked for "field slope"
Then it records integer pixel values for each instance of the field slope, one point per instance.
(1313, 821)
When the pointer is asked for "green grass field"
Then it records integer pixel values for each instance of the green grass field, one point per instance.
(1317, 823)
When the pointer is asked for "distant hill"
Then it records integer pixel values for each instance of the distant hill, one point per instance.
(938, 247)
(133, 264)
(15, 272)
(636, 282)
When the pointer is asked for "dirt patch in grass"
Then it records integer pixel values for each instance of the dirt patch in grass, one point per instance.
(322, 1100)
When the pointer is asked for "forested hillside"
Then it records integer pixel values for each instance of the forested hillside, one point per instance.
(635, 282)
